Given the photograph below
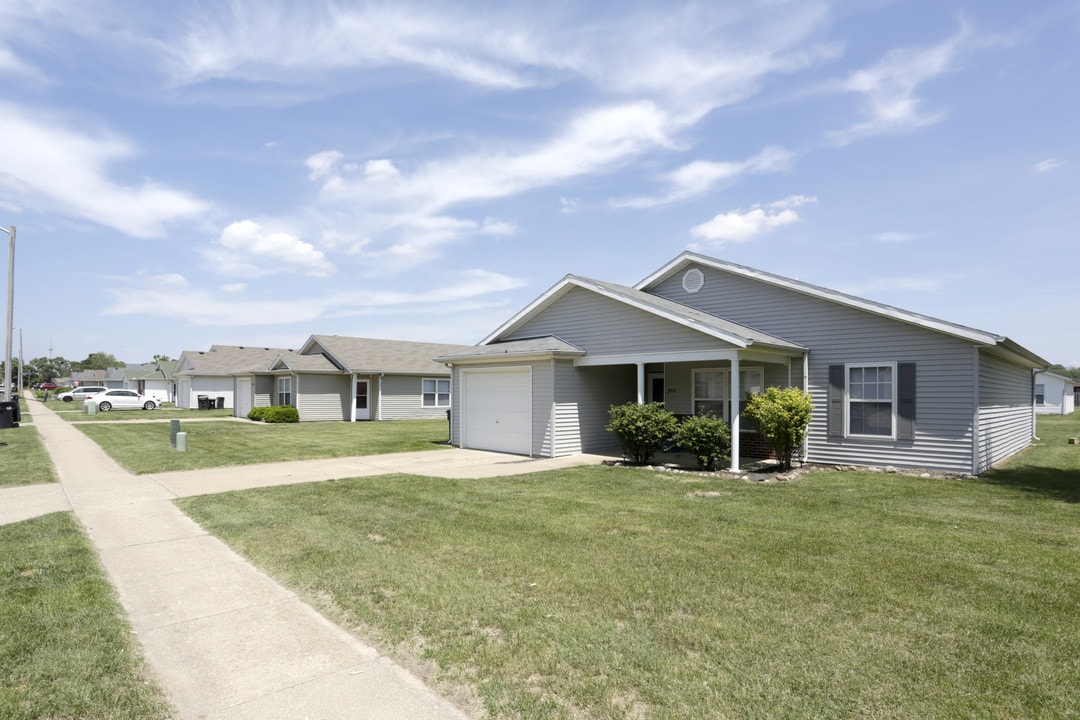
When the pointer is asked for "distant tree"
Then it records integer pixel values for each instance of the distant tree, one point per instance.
(98, 361)
(162, 358)
(43, 368)
(1073, 373)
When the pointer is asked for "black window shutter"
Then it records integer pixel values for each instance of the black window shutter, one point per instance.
(905, 395)
(836, 401)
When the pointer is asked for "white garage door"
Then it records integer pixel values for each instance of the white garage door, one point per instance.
(498, 410)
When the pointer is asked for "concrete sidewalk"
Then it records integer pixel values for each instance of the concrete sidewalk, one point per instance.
(226, 640)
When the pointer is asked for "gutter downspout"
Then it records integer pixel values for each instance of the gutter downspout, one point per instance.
(378, 399)
(975, 414)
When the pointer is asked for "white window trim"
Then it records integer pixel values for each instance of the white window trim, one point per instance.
(848, 367)
(436, 406)
(289, 391)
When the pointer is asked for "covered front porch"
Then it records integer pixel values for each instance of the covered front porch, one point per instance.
(716, 382)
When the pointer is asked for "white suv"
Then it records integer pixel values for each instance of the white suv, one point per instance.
(80, 393)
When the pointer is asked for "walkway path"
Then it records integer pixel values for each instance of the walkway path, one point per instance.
(226, 640)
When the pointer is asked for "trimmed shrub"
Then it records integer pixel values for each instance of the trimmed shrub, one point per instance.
(706, 437)
(275, 414)
(782, 416)
(642, 429)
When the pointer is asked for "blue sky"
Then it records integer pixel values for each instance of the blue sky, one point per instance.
(251, 173)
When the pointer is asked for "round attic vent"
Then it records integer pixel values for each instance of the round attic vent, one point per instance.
(693, 280)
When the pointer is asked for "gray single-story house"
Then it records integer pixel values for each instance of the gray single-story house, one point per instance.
(212, 372)
(334, 377)
(330, 377)
(890, 387)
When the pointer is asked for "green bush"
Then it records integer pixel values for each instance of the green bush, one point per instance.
(275, 414)
(782, 416)
(642, 429)
(707, 437)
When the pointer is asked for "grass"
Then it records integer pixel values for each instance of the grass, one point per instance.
(145, 447)
(65, 649)
(615, 593)
(23, 458)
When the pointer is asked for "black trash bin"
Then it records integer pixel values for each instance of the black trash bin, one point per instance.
(9, 414)
(204, 402)
(221, 403)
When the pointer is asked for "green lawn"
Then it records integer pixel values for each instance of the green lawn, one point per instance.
(65, 649)
(23, 458)
(614, 593)
(145, 447)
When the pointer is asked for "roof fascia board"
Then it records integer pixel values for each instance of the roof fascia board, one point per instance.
(911, 318)
(569, 282)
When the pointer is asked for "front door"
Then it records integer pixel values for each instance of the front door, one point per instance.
(654, 389)
(363, 404)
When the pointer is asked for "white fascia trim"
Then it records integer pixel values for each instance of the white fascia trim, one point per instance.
(735, 340)
(511, 357)
(525, 313)
(660, 357)
(817, 291)
(569, 281)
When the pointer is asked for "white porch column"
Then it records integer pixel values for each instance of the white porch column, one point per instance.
(640, 383)
(735, 414)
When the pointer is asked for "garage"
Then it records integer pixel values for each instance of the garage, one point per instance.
(498, 410)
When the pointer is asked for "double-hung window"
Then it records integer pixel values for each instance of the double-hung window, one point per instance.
(436, 393)
(710, 392)
(871, 400)
(1040, 394)
(284, 391)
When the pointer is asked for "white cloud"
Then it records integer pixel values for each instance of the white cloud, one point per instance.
(234, 287)
(246, 249)
(699, 177)
(49, 165)
(889, 89)
(199, 306)
(322, 164)
(1047, 165)
(894, 237)
(739, 226)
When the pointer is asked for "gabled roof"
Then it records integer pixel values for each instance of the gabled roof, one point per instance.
(548, 347)
(1064, 378)
(228, 360)
(368, 355)
(718, 327)
(305, 363)
(943, 326)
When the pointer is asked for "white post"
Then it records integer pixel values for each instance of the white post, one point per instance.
(641, 383)
(10, 311)
(735, 414)
(181, 442)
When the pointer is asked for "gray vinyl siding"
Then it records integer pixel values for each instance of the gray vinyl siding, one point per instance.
(264, 389)
(322, 397)
(543, 393)
(1005, 410)
(402, 398)
(606, 327)
(183, 393)
(837, 334)
(583, 396)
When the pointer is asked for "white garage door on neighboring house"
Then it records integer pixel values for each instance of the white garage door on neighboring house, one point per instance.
(498, 410)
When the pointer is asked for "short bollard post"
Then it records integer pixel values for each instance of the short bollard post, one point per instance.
(181, 442)
(174, 427)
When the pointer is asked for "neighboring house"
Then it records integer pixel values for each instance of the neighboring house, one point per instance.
(333, 377)
(890, 387)
(1055, 394)
(330, 378)
(213, 373)
(152, 379)
(97, 378)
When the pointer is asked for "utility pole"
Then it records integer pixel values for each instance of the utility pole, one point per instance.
(10, 311)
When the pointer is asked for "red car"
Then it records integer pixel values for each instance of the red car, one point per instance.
(47, 386)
